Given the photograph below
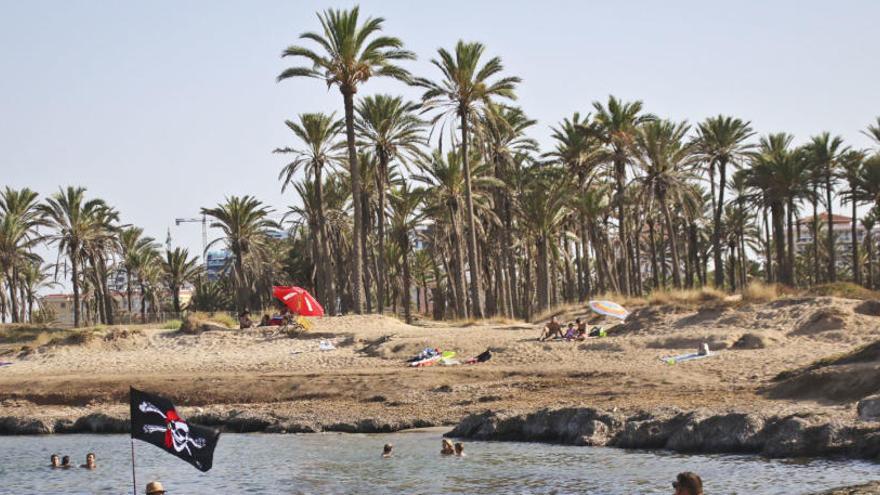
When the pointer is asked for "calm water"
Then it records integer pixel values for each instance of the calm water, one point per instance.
(338, 463)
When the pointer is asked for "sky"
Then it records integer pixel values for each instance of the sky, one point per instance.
(164, 107)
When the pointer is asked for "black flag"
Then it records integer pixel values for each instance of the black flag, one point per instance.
(154, 420)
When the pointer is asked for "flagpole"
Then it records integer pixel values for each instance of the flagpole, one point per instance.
(133, 479)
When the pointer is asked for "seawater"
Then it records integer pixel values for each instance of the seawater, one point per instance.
(351, 463)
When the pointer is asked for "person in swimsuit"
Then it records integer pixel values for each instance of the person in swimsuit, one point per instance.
(90, 461)
(551, 329)
(55, 461)
(459, 449)
(387, 451)
(447, 448)
(688, 483)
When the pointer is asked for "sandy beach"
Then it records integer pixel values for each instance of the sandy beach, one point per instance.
(260, 373)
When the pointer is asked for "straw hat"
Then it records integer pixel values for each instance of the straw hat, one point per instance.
(155, 488)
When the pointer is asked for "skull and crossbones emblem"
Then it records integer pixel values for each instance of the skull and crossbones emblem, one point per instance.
(176, 430)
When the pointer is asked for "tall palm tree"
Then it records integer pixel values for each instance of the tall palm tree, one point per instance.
(824, 153)
(390, 126)
(132, 243)
(352, 54)
(19, 220)
(74, 222)
(34, 277)
(616, 124)
(178, 269)
(319, 133)
(850, 171)
(405, 217)
(466, 88)
(245, 223)
(721, 141)
(666, 160)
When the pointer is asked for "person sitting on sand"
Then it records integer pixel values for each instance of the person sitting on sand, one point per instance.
(551, 330)
(264, 322)
(687, 483)
(65, 462)
(387, 451)
(54, 461)
(581, 329)
(447, 448)
(155, 488)
(90, 461)
(459, 449)
(244, 320)
(570, 332)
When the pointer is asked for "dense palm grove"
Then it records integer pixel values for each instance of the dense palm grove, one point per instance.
(448, 197)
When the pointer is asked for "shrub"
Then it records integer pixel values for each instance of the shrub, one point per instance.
(171, 325)
(759, 292)
(845, 290)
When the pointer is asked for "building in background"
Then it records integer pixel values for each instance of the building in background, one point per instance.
(842, 227)
(217, 263)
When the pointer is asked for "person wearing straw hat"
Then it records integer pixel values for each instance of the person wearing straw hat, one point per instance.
(155, 488)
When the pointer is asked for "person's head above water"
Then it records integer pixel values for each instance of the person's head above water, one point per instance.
(387, 450)
(54, 460)
(688, 483)
(459, 448)
(65, 461)
(90, 461)
(155, 488)
(447, 447)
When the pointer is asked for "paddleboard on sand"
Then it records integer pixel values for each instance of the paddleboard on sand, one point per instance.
(685, 357)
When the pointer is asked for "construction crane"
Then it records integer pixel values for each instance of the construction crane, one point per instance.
(204, 222)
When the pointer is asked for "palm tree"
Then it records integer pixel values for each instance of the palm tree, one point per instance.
(74, 220)
(824, 153)
(405, 217)
(34, 277)
(178, 269)
(319, 133)
(467, 88)
(132, 243)
(665, 158)
(245, 223)
(873, 131)
(616, 124)
(775, 172)
(850, 170)
(353, 53)
(390, 127)
(19, 220)
(868, 223)
(721, 141)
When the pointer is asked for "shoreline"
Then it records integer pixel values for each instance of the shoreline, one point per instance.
(699, 431)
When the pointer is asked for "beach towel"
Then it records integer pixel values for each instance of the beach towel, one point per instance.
(326, 345)
(5, 363)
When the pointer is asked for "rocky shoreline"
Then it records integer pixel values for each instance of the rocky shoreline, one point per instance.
(799, 435)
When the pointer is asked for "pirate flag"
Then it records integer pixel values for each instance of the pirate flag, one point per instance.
(154, 420)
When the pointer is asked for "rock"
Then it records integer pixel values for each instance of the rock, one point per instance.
(735, 432)
(646, 431)
(23, 426)
(101, 423)
(870, 307)
(869, 408)
(872, 488)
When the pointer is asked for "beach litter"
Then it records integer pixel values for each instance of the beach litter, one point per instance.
(326, 345)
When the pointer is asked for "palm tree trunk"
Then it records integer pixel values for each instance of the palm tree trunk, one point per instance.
(768, 266)
(620, 179)
(143, 302)
(870, 252)
(716, 228)
(652, 246)
(832, 267)
(585, 259)
(128, 289)
(365, 226)
(357, 262)
(13, 299)
(380, 232)
(407, 279)
(175, 296)
(815, 200)
(732, 262)
(476, 288)
(325, 266)
(791, 248)
(857, 271)
(670, 230)
(777, 213)
(460, 283)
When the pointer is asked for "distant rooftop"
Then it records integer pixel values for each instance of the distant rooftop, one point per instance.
(823, 218)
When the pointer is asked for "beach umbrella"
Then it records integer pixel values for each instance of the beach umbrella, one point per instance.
(609, 308)
(298, 300)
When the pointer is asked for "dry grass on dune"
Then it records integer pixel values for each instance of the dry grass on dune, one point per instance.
(845, 290)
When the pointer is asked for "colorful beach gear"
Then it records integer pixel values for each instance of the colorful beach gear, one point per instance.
(609, 308)
(298, 300)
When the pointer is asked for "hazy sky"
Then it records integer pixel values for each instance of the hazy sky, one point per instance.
(163, 107)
